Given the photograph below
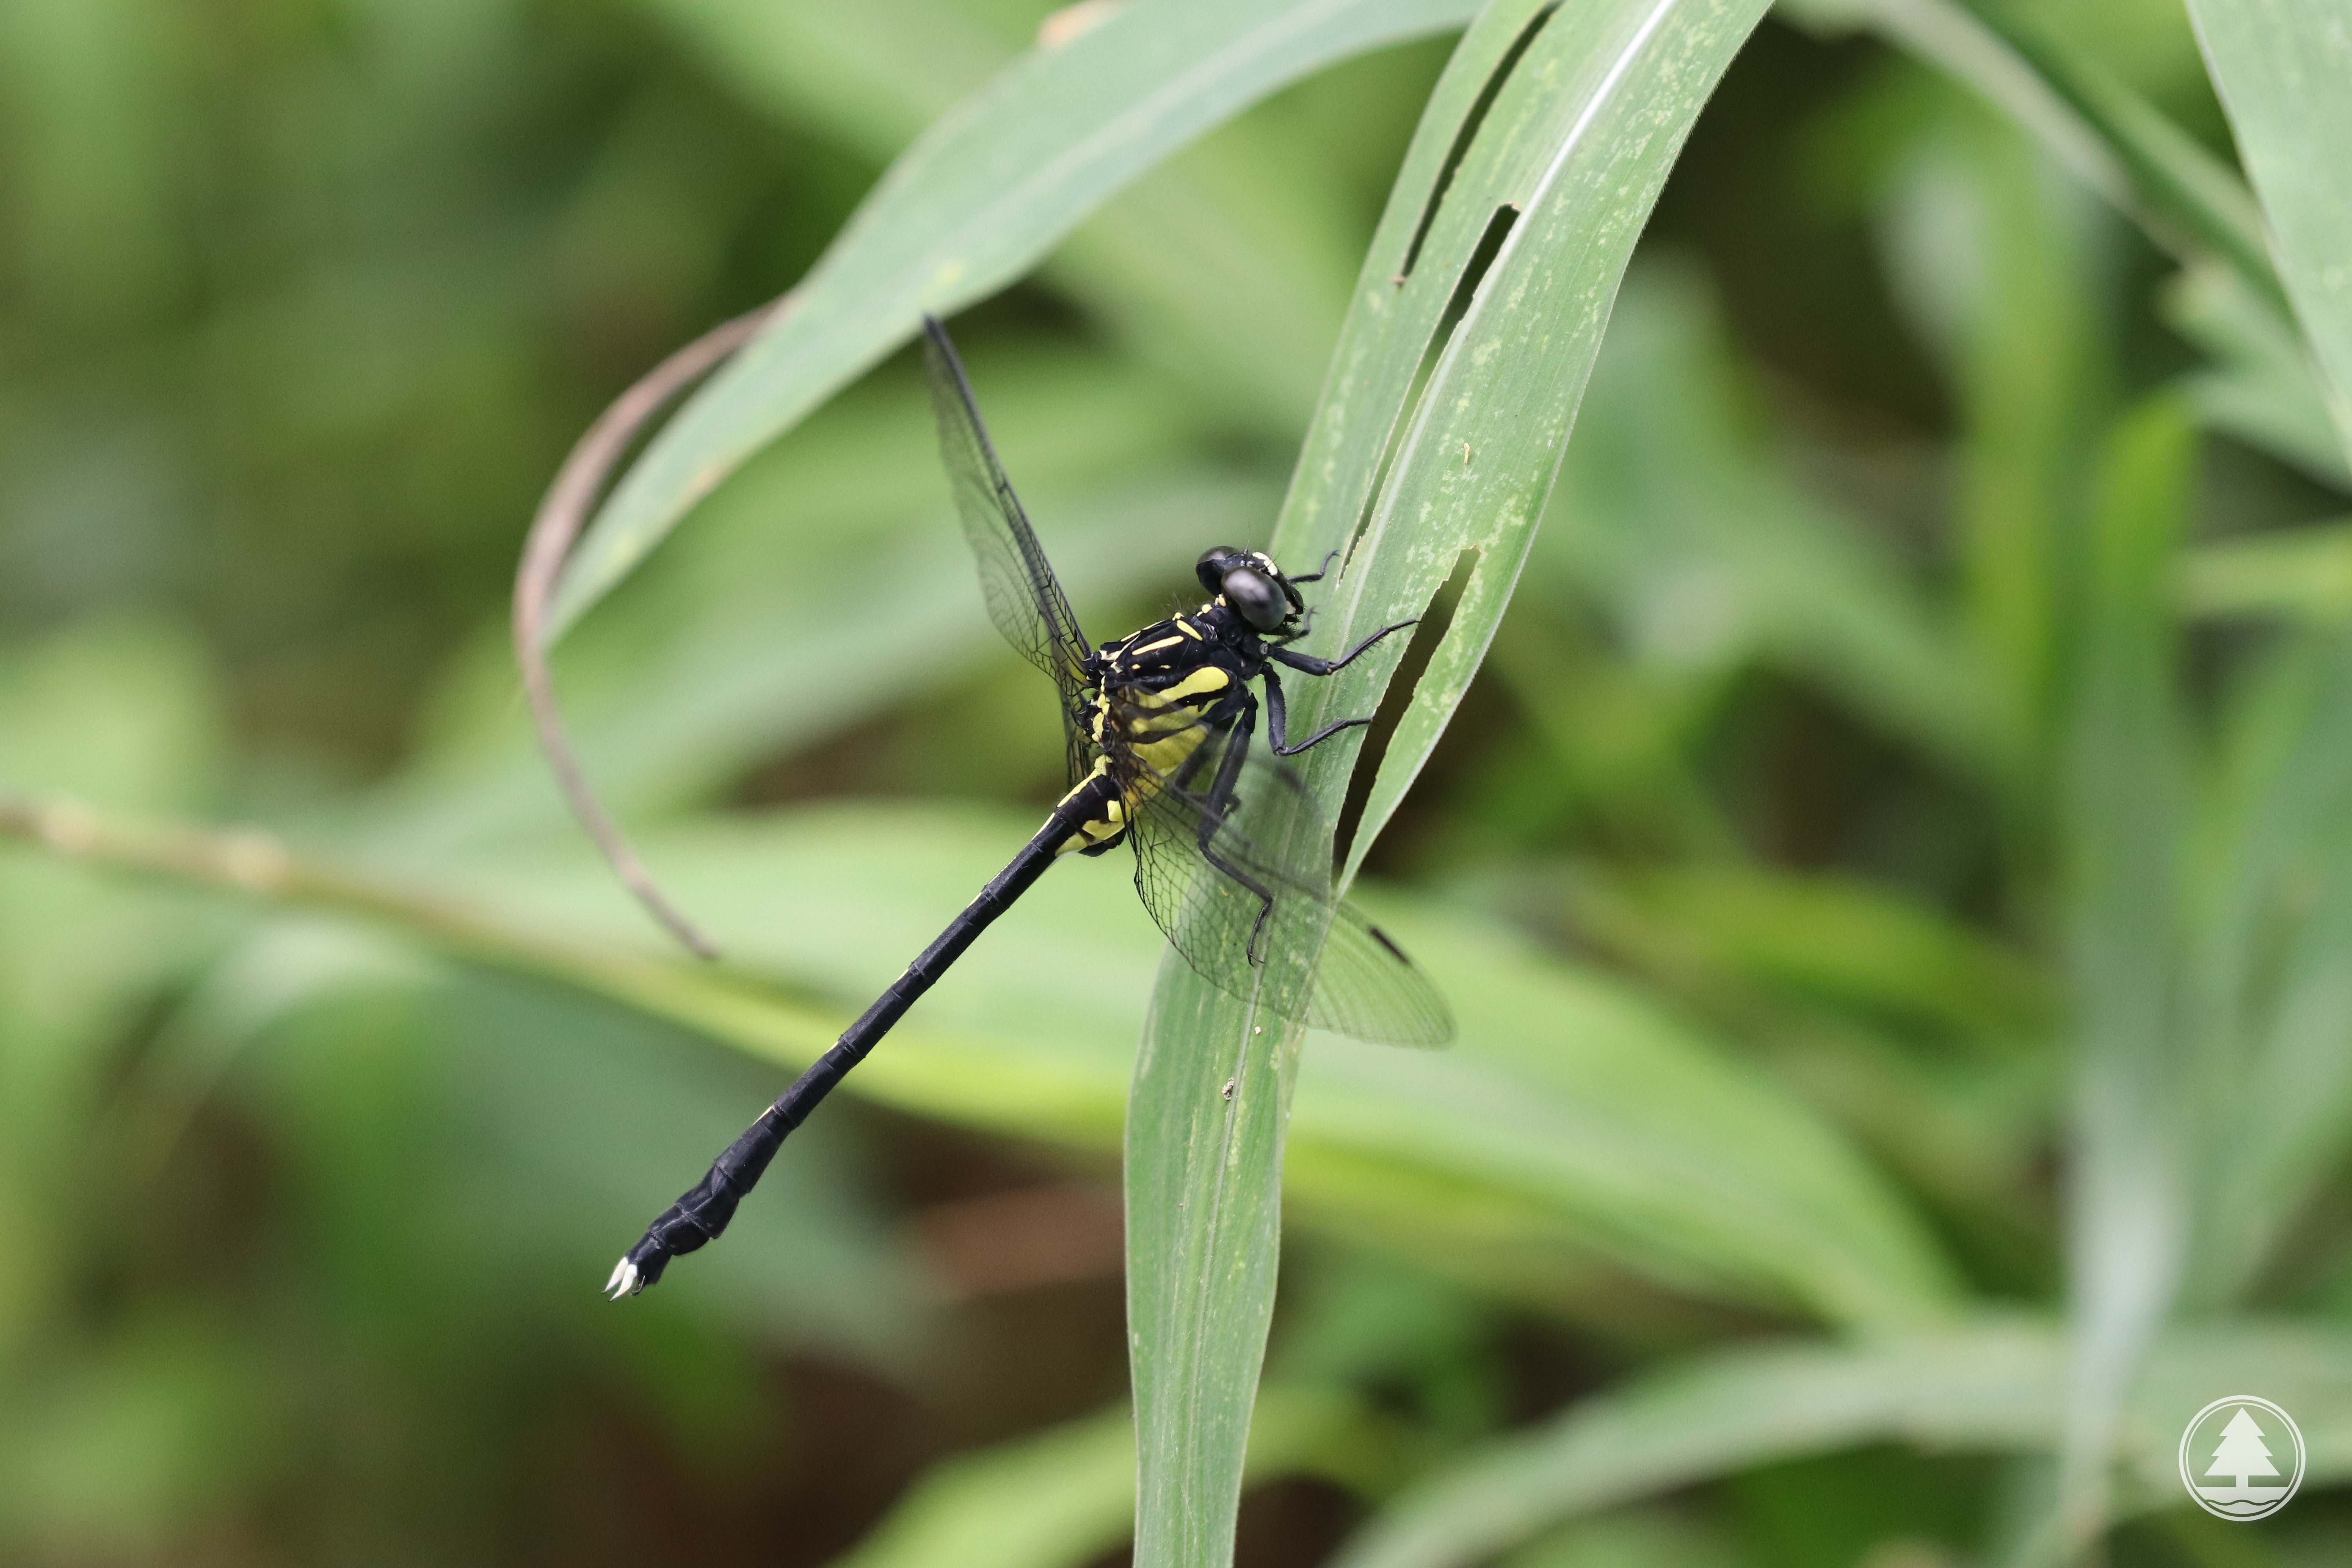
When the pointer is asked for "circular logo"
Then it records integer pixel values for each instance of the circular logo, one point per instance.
(2242, 1458)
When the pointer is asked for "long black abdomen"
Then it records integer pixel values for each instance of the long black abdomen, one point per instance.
(704, 1209)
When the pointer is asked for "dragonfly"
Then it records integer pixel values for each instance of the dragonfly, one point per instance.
(1158, 728)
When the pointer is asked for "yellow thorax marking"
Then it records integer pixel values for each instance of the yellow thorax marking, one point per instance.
(1171, 719)
(1207, 678)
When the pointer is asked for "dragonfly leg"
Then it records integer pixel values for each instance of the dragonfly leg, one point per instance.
(1278, 723)
(1307, 664)
(1219, 802)
(1317, 575)
(1182, 779)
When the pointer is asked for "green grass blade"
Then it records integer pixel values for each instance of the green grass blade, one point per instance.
(1061, 1496)
(1646, 1149)
(1577, 145)
(2131, 1187)
(1229, 265)
(2259, 384)
(813, 592)
(1066, 1496)
(124, 715)
(1591, 106)
(977, 200)
(2293, 574)
(2281, 67)
(1993, 1386)
(1673, 494)
(1205, 1119)
(2191, 203)
(1991, 254)
(1983, 1386)
(1579, 1149)
(2272, 971)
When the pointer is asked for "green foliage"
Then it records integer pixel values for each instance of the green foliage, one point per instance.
(980, 198)
(2274, 66)
(1872, 780)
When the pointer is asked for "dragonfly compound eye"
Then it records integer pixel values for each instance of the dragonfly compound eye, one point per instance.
(1260, 602)
(1214, 563)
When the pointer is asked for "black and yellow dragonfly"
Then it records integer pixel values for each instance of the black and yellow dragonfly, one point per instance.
(1158, 727)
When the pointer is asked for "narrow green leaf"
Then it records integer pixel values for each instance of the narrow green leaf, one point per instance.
(2275, 988)
(2297, 574)
(122, 714)
(2109, 136)
(978, 199)
(1576, 1147)
(1674, 507)
(2260, 384)
(1993, 1386)
(1063, 1495)
(1229, 264)
(2190, 200)
(1066, 1496)
(1982, 1387)
(1658, 1537)
(2281, 67)
(1993, 256)
(1578, 1134)
(1844, 939)
(813, 592)
(1573, 156)
(1574, 1132)
(1575, 141)
(2131, 1192)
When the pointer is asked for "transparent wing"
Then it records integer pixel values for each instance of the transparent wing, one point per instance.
(1023, 598)
(1250, 920)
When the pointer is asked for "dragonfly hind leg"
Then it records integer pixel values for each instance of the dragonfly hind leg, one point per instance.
(1278, 723)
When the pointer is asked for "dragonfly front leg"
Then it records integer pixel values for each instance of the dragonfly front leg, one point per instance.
(1318, 574)
(1307, 664)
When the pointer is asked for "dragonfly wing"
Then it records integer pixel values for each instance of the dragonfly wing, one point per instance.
(1023, 597)
(1367, 988)
(1262, 922)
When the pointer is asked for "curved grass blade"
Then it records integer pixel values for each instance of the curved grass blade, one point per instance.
(1419, 483)
(1066, 1496)
(2274, 979)
(2259, 383)
(1228, 266)
(2141, 1093)
(977, 200)
(2296, 574)
(2191, 201)
(1989, 1386)
(1992, 1387)
(1569, 119)
(2281, 67)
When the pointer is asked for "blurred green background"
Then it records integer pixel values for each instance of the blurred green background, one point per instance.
(1767, 796)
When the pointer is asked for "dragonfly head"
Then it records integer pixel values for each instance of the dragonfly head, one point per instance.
(1253, 585)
